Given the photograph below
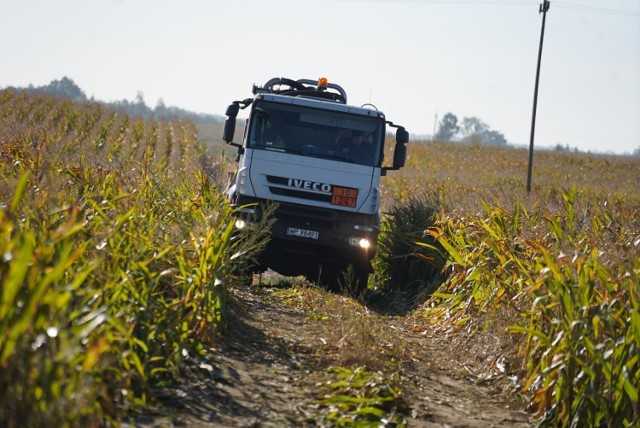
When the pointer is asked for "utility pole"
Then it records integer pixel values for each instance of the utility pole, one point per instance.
(544, 7)
(435, 121)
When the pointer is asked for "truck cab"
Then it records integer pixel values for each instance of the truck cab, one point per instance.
(320, 159)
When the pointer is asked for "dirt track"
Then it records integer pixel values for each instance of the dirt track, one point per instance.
(269, 372)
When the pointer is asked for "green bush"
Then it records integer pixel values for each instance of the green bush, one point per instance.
(402, 263)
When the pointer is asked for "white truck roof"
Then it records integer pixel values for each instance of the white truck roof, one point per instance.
(320, 103)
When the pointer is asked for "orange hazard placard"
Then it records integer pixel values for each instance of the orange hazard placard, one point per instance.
(344, 196)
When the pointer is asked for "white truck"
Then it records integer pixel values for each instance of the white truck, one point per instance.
(321, 160)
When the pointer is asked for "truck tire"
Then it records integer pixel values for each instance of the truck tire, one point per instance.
(360, 280)
(350, 279)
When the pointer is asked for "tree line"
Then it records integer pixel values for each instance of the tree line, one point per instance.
(67, 88)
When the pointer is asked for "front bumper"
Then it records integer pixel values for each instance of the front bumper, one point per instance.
(311, 235)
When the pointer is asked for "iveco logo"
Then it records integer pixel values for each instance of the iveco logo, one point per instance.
(309, 185)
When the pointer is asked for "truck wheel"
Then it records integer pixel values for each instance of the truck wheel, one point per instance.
(358, 281)
(328, 277)
(350, 280)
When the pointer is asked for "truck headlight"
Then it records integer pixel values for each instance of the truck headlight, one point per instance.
(243, 224)
(356, 241)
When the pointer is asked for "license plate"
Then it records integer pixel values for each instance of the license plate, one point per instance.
(302, 233)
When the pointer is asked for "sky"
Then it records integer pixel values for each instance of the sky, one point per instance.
(415, 60)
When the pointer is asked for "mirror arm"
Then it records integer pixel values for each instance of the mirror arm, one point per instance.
(245, 103)
(384, 169)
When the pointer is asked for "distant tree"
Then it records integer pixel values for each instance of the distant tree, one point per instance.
(473, 125)
(65, 88)
(493, 138)
(140, 98)
(475, 131)
(139, 107)
(560, 148)
(161, 111)
(136, 108)
(447, 128)
(636, 152)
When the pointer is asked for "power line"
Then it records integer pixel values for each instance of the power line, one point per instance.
(560, 4)
(456, 2)
(477, 2)
(575, 6)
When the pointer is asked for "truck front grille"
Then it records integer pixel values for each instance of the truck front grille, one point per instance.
(280, 186)
(317, 218)
(300, 194)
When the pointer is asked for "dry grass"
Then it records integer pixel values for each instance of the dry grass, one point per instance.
(356, 336)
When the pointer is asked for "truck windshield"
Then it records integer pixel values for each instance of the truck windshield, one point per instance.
(326, 134)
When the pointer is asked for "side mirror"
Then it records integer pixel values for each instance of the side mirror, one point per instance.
(233, 109)
(229, 129)
(399, 154)
(402, 136)
(230, 123)
(400, 151)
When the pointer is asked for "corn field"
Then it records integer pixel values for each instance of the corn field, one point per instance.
(114, 251)
(562, 266)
